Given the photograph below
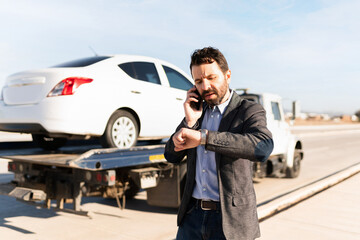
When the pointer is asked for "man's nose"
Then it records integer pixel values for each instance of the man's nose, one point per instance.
(205, 85)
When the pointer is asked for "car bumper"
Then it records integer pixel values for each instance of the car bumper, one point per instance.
(22, 127)
(58, 115)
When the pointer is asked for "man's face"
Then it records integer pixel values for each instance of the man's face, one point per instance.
(212, 83)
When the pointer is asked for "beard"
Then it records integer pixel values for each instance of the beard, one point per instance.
(220, 94)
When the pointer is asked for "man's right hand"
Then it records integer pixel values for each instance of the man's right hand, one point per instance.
(186, 138)
(192, 114)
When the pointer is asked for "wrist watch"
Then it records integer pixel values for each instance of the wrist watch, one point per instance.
(203, 139)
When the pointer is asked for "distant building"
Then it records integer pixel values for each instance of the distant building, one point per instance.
(346, 118)
(349, 118)
(305, 118)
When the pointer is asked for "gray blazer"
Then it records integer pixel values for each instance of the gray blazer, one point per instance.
(242, 136)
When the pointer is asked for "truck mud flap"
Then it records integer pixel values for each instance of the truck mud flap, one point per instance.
(168, 191)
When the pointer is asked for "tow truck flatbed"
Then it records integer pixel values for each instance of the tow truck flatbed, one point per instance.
(115, 173)
(97, 159)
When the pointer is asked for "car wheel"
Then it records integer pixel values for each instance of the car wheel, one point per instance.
(294, 171)
(121, 131)
(48, 143)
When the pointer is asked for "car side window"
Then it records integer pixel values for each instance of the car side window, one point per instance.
(177, 80)
(143, 71)
(276, 110)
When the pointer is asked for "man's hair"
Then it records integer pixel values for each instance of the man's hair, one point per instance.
(208, 55)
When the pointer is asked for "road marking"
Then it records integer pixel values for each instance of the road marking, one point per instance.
(327, 133)
(284, 201)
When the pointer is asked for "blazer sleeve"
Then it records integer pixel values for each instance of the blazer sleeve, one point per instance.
(247, 138)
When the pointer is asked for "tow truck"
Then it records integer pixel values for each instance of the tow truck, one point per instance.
(67, 176)
(285, 159)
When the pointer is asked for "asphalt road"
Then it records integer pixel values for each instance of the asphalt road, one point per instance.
(326, 152)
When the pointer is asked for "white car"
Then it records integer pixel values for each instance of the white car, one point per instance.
(119, 98)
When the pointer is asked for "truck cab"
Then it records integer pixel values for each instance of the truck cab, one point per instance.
(286, 157)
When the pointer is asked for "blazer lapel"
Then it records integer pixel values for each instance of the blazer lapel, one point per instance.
(229, 113)
(225, 124)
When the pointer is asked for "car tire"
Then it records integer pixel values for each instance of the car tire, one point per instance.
(121, 131)
(294, 171)
(48, 143)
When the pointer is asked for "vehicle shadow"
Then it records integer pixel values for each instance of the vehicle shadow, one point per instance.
(135, 204)
(11, 208)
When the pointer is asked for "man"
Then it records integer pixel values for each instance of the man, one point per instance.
(218, 138)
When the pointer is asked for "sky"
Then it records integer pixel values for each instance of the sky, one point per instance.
(304, 50)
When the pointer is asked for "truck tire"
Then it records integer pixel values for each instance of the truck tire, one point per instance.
(132, 190)
(121, 131)
(294, 171)
(48, 143)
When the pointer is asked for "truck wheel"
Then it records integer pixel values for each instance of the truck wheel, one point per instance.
(132, 190)
(121, 131)
(48, 143)
(294, 171)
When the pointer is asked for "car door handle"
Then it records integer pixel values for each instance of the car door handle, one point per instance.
(136, 92)
(180, 99)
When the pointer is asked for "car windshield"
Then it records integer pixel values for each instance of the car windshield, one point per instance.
(250, 97)
(83, 62)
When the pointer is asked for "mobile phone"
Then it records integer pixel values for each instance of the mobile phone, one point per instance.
(196, 105)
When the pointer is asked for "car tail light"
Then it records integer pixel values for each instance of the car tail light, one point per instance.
(68, 86)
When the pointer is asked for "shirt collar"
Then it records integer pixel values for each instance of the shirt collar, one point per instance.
(222, 107)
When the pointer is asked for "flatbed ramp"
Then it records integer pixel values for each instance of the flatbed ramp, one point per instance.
(97, 159)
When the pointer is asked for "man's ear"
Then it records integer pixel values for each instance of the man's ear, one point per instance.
(228, 76)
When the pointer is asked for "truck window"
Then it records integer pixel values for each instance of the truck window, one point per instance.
(276, 110)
